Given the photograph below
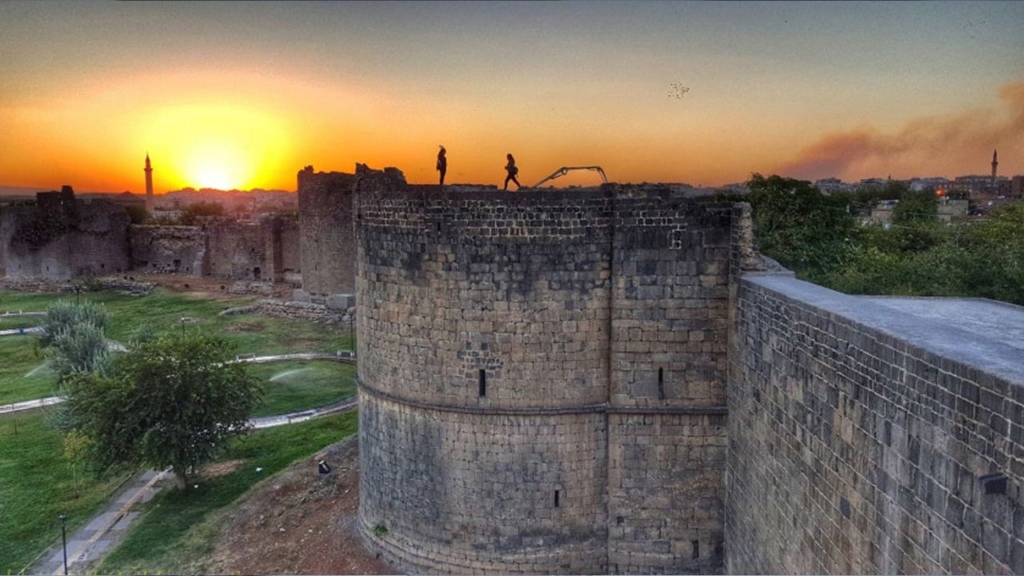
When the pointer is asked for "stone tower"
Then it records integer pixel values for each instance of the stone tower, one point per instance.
(149, 186)
(542, 379)
(995, 164)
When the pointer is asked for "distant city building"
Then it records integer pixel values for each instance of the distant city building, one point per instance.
(833, 186)
(952, 210)
(873, 182)
(1017, 187)
(935, 182)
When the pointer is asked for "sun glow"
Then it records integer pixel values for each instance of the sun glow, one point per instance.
(218, 146)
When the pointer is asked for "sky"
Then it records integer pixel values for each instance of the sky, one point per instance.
(243, 95)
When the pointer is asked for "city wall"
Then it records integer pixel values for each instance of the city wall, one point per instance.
(861, 439)
(542, 379)
(61, 237)
(169, 249)
(263, 250)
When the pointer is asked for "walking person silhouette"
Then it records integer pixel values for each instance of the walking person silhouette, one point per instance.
(512, 171)
(442, 163)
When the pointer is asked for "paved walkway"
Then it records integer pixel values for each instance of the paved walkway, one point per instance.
(20, 331)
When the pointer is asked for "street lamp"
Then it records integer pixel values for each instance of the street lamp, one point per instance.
(64, 540)
(182, 326)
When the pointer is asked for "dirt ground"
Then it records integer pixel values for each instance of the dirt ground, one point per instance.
(301, 523)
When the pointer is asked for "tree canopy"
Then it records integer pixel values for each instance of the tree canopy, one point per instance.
(818, 238)
(173, 402)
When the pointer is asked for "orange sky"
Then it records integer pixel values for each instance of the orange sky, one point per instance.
(244, 95)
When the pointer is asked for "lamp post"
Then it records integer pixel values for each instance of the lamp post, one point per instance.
(182, 326)
(64, 540)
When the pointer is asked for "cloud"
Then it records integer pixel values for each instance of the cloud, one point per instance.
(928, 146)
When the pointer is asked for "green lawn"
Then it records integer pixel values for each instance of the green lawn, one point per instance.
(162, 310)
(12, 322)
(36, 486)
(35, 480)
(297, 385)
(171, 530)
(23, 373)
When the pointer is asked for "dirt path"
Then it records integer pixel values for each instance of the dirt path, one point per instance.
(299, 522)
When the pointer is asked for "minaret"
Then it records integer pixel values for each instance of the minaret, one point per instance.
(149, 186)
(995, 163)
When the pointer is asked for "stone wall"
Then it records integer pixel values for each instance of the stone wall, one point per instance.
(500, 428)
(860, 435)
(236, 250)
(176, 249)
(61, 237)
(225, 248)
(327, 236)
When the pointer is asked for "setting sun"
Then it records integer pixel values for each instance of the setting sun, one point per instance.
(213, 178)
(213, 145)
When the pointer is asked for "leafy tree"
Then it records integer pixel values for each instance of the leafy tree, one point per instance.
(799, 226)
(137, 214)
(170, 402)
(78, 348)
(76, 446)
(920, 206)
(62, 314)
(191, 213)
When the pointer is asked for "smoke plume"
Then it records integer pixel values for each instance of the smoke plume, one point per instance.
(928, 146)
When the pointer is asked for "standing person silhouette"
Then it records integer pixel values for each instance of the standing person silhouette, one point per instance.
(512, 171)
(442, 163)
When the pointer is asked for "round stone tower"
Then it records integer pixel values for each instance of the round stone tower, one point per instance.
(502, 428)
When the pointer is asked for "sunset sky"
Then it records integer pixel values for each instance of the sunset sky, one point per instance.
(246, 94)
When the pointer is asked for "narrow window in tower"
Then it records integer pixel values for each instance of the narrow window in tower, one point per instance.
(661, 383)
(696, 549)
(483, 383)
(438, 226)
(556, 498)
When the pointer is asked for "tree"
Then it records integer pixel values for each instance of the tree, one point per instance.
(137, 214)
(191, 213)
(799, 226)
(62, 314)
(170, 402)
(78, 348)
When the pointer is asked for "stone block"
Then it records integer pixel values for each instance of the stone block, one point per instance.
(340, 302)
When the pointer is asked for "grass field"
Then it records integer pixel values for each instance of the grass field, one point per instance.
(171, 530)
(296, 385)
(36, 486)
(23, 373)
(162, 310)
(35, 480)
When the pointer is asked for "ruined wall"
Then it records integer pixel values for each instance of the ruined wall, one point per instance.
(489, 436)
(858, 436)
(236, 250)
(282, 250)
(291, 245)
(177, 249)
(327, 225)
(61, 237)
(327, 236)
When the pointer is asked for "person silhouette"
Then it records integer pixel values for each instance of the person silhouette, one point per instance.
(442, 163)
(512, 171)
